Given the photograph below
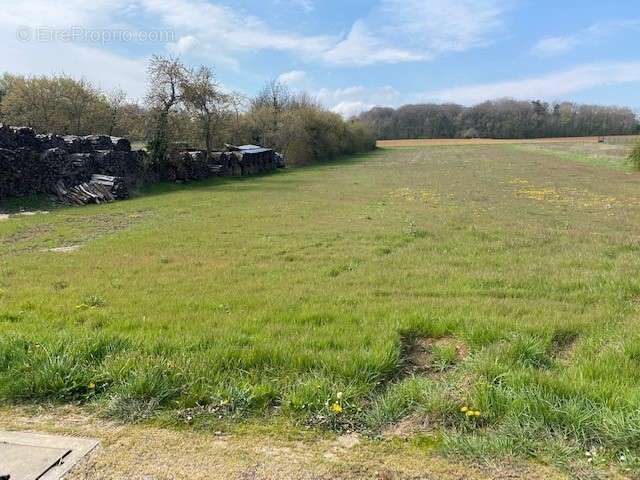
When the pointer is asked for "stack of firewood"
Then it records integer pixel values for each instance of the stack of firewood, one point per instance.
(100, 168)
(116, 185)
(83, 193)
(100, 189)
(31, 164)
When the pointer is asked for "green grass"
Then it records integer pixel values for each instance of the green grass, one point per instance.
(284, 295)
(634, 157)
(613, 154)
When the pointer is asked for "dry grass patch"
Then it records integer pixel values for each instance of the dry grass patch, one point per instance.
(147, 452)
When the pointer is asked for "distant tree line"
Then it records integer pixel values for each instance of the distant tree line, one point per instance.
(503, 118)
(183, 107)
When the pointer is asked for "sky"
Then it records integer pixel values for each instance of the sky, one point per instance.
(350, 54)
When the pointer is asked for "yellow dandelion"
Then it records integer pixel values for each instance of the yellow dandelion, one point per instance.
(92, 386)
(336, 408)
(476, 413)
(464, 409)
(469, 413)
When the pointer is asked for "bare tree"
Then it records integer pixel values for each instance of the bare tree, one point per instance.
(204, 99)
(116, 101)
(166, 81)
(271, 102)
(237, 102)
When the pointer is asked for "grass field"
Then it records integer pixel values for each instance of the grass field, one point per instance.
(431, 142)
(380, 294)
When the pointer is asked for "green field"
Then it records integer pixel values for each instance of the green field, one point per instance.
(380, 293)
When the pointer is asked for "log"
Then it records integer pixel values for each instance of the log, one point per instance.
(84, 193)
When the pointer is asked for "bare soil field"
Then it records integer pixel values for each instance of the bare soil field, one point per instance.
(494, 141)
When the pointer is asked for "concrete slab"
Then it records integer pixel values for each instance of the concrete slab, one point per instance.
(40, 460)
(32, 456)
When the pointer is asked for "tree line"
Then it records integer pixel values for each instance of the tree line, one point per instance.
(64, 105)
(184, 108)
(504, 118)
(187, 104)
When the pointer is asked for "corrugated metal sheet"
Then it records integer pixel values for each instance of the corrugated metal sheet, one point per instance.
(253, 149)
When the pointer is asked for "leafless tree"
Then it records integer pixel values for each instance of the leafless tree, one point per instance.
(166, 81)
(207, 103)
(237, 102)
(116, 101)
(270, 105)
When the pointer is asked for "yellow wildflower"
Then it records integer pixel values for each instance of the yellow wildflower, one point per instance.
(92, 386)
(469, 413)
(336, 408)
(464, 409)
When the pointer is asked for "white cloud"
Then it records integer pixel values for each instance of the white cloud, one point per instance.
(54, 14)
(106, 70)
(417, 30)
(89, 60)
(552, 46)
(353, 100)
(183, 45)
(306, 5)
(362, 47)
(295, 78)
(550, 86)
(224, 31)
(394, 31)
(560, 45)
(212, 31)
(351, 109)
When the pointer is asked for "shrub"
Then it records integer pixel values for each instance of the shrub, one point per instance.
(310, 134)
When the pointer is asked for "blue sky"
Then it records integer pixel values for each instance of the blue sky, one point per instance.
(351, 54)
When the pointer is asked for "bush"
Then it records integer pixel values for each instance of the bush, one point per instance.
(634, 157)
(311, 134)
(301, 128)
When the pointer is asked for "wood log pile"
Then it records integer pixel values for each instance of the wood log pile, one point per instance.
(84, 193)
(193, 165)
(100, 189)
(99, 168)
(32, 164)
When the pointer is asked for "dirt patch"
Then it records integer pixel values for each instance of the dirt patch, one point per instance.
(431, 356)
(409, 426)
(564, 344)
(68, 249)
(31, 232)
(4, 216)
(72, 232)
(31, 213)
